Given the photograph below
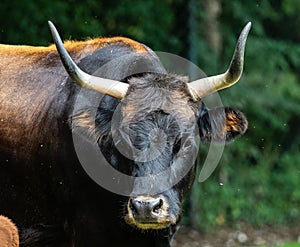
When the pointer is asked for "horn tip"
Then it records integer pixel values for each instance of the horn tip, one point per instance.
(248, 26)
(52, 28)
(245, 32)
(50, 23)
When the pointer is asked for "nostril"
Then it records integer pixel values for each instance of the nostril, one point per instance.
(133, 206)
(157, 205)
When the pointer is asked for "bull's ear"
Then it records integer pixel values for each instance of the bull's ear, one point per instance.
(221, 124)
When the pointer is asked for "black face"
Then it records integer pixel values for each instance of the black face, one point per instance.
(157, 139)
(157, 133)
(158, 124)
(156, 142)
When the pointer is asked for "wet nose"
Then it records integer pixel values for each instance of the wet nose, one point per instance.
(146, 208)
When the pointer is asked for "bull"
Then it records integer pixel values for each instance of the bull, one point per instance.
(44, 187)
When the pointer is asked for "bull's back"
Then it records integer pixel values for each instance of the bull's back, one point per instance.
(35, 95)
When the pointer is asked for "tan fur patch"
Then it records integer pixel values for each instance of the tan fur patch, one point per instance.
(232, 122)
(98, 43)
(81, 48)
(8, 233)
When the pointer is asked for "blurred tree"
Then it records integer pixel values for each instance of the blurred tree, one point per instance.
(264, 159)
(154, 23)
(212, 10)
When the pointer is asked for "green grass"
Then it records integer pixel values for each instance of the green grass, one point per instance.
(293, 244)
(287, 245)
(290, 245)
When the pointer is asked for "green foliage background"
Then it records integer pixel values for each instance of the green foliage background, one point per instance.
(258, 179)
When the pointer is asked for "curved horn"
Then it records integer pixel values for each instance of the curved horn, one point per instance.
(208, 85)
(112, 88)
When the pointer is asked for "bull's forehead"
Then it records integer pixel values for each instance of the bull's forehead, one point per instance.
(142, 103)
(165, 93)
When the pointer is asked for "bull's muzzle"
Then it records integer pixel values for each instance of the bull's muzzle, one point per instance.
(147, 212)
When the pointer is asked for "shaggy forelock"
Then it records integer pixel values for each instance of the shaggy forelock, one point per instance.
(153, 92)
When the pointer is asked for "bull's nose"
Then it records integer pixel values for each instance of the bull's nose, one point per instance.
(149, 212)
(146, 208)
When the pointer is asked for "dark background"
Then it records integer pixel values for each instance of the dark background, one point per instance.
(257, 182)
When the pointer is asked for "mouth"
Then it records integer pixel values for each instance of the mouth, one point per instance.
(150, 225)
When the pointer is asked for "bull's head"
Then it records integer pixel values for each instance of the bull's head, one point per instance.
(162, 115)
